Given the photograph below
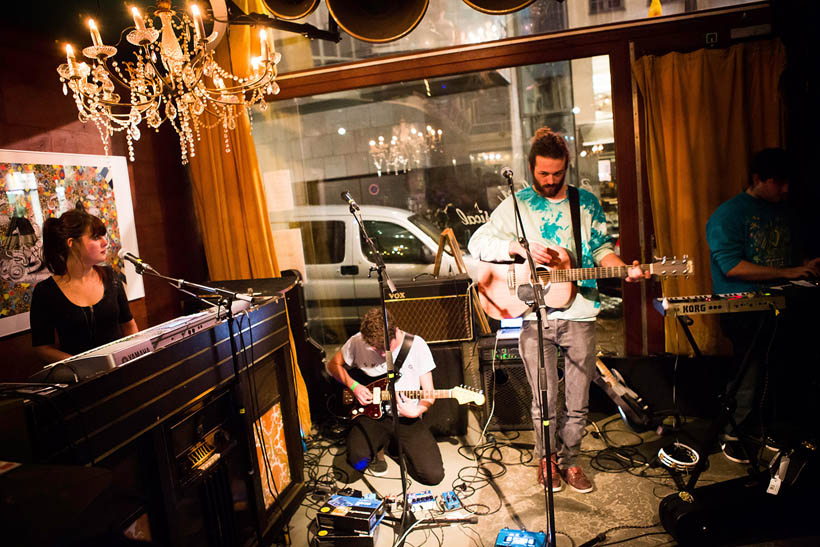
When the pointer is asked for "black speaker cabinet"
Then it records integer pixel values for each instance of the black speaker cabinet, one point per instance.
(505, 382)
(438, 310)
(506, 385)
(446, 418)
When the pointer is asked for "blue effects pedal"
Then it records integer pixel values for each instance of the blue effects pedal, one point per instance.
(450, 501)
(520, 538)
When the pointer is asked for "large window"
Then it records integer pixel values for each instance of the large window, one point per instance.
(452, 22)
(421, 156)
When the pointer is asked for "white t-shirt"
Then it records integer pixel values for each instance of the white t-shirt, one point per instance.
(358, 354)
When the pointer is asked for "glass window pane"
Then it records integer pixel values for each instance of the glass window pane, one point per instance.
(395, 243)
(323, 241)
(425, 155)
(452, 23)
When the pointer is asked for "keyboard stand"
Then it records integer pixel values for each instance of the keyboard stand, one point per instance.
(727, 410)
(685, 321)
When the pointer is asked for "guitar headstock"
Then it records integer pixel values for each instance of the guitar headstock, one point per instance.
(673, 267)
(464, 395)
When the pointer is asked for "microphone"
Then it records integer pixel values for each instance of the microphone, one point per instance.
(507, 173)
(349, 199)
(139, 265)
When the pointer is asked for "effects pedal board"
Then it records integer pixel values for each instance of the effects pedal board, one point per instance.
(346, 513)
(520, 538)
(421, 501)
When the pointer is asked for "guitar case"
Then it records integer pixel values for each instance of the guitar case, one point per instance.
(740, 511)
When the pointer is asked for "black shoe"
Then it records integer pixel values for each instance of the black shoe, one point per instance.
(378, 466)
(733, 450)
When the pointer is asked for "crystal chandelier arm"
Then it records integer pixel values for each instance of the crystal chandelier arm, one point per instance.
(219, 9)
(116, 76)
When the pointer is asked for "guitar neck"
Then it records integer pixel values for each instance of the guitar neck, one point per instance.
(577, 274)
(420, 394)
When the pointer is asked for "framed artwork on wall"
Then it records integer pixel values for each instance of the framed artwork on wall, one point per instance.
(37, 185)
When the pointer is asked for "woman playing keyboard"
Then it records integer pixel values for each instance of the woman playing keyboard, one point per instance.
(83, 304)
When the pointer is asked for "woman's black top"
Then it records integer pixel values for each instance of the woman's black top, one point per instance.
(79, 328)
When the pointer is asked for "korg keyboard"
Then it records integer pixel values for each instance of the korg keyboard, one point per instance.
(719, 303)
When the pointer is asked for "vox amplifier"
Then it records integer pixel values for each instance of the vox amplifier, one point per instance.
(438, 310)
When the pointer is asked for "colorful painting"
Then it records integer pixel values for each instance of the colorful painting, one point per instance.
(35, 186)
(272, 454)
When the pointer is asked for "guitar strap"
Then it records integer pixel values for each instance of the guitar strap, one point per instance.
(575, 216)
(405, 349)
(397, 364)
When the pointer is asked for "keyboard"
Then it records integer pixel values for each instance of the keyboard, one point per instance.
(720, 303)
(118, 352)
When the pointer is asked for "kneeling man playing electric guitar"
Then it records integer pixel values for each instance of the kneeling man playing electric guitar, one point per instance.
(372, 431)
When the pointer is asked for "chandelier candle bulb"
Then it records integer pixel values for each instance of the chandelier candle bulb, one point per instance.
(69, 56)
(263, 43)
(139, 22)
(95, 33)
(199, 26)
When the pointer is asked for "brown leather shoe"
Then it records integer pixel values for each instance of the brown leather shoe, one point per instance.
(577, 480)
(556, 474)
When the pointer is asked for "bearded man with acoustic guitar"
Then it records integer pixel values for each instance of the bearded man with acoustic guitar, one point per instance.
(570, 324)
(371, 432)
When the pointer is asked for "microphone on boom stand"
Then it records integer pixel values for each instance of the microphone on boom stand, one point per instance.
(349, 200)
(354, 207)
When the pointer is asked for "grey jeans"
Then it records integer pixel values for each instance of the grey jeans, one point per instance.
(577, 342)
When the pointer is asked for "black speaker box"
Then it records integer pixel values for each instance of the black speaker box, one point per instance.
(697, 381)
(446, 418)
(505, 382)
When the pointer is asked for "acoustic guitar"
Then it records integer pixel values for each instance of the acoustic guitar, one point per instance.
(352, 408)
(498, 283)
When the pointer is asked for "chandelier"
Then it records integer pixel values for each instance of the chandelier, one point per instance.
(406, 149)
(170, 78)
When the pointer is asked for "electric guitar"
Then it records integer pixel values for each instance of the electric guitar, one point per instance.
(631, 406)
(352, 408)
(498, 283)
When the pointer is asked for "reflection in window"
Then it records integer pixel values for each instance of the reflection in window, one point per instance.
(321, 146)
(395, 244)
(600, 6)
(323, 241)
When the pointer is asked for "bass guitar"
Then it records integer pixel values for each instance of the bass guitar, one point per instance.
(498, 283)
(631, 406)
(352, 408)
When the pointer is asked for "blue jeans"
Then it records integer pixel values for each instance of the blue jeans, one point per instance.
(577, 342)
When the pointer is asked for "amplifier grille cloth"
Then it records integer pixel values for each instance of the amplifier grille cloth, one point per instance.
(512, 394)
(435, 318)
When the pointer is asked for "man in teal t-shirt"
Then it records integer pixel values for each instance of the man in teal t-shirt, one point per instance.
(545, 213)
(752, 244)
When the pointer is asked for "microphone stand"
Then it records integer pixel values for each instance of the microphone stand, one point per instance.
(407, 517)
(226, 297)
(538, 298)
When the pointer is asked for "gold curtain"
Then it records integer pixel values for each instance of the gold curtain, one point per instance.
(706, 113)
(230, 201)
